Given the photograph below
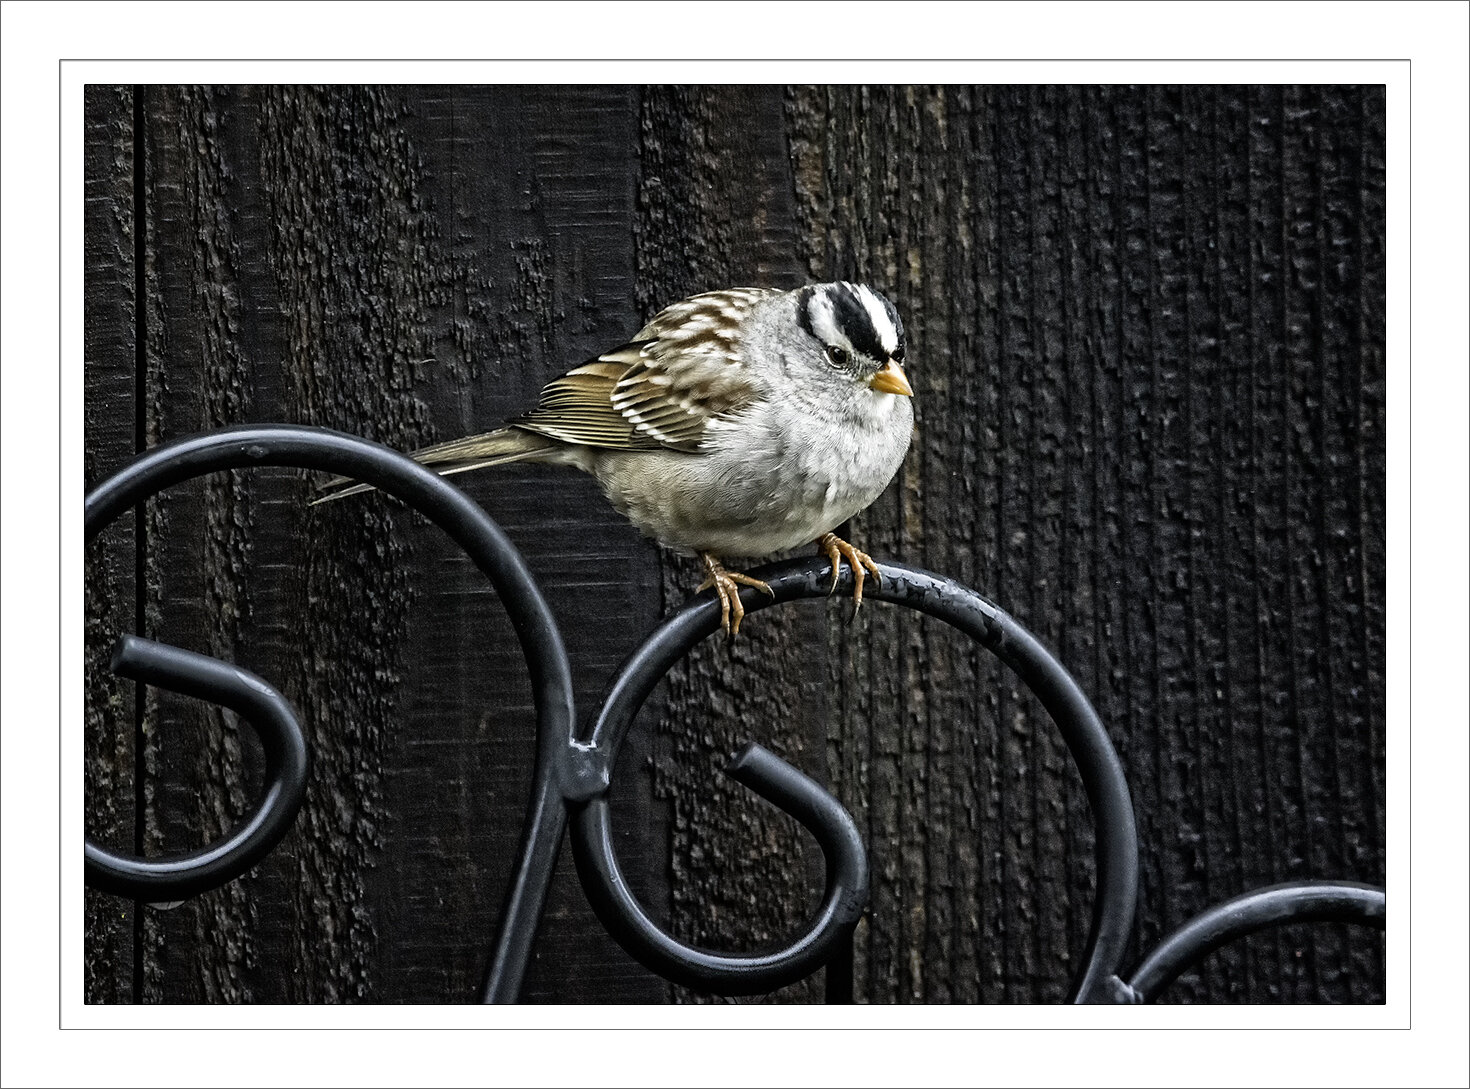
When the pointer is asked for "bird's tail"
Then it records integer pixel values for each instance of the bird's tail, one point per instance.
(459, 456)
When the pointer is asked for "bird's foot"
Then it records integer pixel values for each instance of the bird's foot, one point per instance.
(725, 584)
(836, 550)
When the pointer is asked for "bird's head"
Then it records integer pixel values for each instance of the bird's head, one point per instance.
(858, 333)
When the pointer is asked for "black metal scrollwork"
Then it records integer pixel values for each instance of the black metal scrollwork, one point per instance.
(1102, 772)
(572, 775)
(483, 541)
(180, 876)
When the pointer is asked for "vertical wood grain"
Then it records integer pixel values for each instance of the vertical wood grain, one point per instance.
(715, 209)
(309, 266)
(111, 601)
(1133, 385)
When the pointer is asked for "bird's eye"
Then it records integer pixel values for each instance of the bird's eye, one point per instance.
(898, 356)
(836, 356)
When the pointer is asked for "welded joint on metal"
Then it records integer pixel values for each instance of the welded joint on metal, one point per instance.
(583, 772)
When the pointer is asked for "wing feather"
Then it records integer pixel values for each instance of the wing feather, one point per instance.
(662, 389)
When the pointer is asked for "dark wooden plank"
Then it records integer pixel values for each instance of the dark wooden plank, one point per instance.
(1134, 433)
(111, 602)
(916, 202)
(1306, 806)
(201, 777)
(528, 185)
(361, 259)
(716, 209)
(229, 194)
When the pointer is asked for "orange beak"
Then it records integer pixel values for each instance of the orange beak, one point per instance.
(891, 379)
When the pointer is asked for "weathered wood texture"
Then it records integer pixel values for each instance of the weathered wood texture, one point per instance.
(112, 785)
(1147, 331)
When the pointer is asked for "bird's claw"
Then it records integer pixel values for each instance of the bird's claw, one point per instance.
(727, 587)
(837, 550)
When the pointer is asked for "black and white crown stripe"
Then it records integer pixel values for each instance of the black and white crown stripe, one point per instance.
(854, 317)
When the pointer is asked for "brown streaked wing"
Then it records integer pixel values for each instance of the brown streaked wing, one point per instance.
(660, 390)
(692, 371)
(577, 407)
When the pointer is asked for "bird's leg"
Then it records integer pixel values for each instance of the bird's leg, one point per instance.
(724, 582)
(836, 549)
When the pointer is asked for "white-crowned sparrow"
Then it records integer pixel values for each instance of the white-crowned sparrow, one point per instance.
(736, 423)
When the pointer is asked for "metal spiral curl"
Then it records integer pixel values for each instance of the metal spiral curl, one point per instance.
(287, 759)
(572, 775)
(483, 541)
(991, 627)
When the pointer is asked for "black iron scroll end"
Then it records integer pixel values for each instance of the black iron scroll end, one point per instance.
(127, 658)
(790, 789)
(739, 766)
(170, 879)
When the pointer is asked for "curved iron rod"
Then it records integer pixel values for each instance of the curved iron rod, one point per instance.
(1276, 905)
(1092, 751)
(842, 904)
(492, 552)
(181, 875)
